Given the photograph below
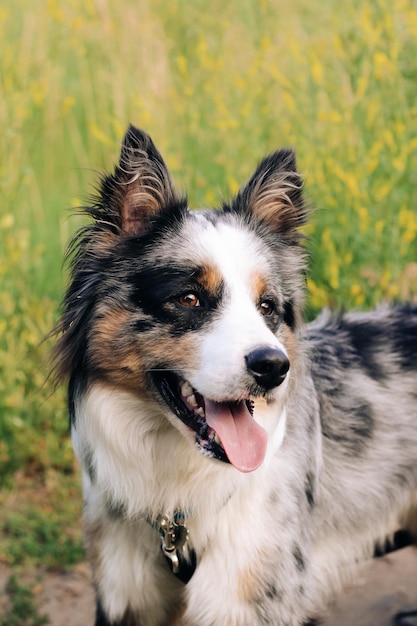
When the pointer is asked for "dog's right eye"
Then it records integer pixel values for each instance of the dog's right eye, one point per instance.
(189, 299)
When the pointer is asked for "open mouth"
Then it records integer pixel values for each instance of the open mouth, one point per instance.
(225, 431)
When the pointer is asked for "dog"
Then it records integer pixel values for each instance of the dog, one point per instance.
(236, 462)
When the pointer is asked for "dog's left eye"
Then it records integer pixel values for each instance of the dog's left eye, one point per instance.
(189, 299)
(266, 308)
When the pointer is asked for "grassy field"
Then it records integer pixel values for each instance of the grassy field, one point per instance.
(217, 88)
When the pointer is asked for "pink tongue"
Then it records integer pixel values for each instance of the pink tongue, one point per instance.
(243, 440)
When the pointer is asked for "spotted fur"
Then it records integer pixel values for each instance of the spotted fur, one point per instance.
(173, 322)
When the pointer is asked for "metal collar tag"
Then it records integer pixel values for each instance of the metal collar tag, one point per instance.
(174, 538)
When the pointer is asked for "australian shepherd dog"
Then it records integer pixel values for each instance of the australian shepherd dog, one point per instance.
(236, 462)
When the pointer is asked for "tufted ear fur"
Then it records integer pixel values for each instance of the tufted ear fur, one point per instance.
(141, 186)
(274, 194)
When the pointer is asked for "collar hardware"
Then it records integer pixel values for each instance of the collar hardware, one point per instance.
(174, 538)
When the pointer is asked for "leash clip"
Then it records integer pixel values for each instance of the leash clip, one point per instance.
(174, 536)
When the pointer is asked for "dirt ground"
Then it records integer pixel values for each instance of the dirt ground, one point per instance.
(385, 594)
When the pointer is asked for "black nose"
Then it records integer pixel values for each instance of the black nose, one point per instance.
(268, 366)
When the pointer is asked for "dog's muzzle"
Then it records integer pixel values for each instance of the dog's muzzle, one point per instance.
(226, 429)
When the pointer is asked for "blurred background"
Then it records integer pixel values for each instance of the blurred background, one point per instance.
(217, 85)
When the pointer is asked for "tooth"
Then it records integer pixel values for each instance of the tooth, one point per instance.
(217, 439)
(186, 389)
(200, 412)
(192, 401)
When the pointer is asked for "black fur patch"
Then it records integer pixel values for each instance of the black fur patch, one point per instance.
(89, 464)
(401, 539)
(101, 619)
(351, 426)
(299, 558)
(330, 348)
(156, 290)
(127, 620)
(367, 339)
(367, 342)
(365, 426)
(289, 315)
(71, 400)
(405, 336)
(309, 489)
(346, 417)
(116, 510)
(143, 325)
(77, 385)
(271, 591)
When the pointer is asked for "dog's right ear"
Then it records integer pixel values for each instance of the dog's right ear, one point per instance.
(141, 186)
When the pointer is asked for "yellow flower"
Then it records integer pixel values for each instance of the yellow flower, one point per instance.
(233, 184)
(98, 134)
(383, 191)
(67, 104)
(182, 65)
(318, 295)
(379, 226)
(210, 198)
(6, 221)
(382, 64)
(55, 10)
(362, 86)
(334, 274)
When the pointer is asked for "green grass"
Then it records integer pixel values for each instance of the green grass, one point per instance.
(217, 89)
(23, 610)
(38, 536)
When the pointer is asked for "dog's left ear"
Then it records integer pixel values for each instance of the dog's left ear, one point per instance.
(274, 194)
(141, 186)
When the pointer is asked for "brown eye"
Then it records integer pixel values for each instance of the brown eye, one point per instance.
(189, 299)
(266, 308)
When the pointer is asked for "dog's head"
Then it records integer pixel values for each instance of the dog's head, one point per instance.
(194, 311)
